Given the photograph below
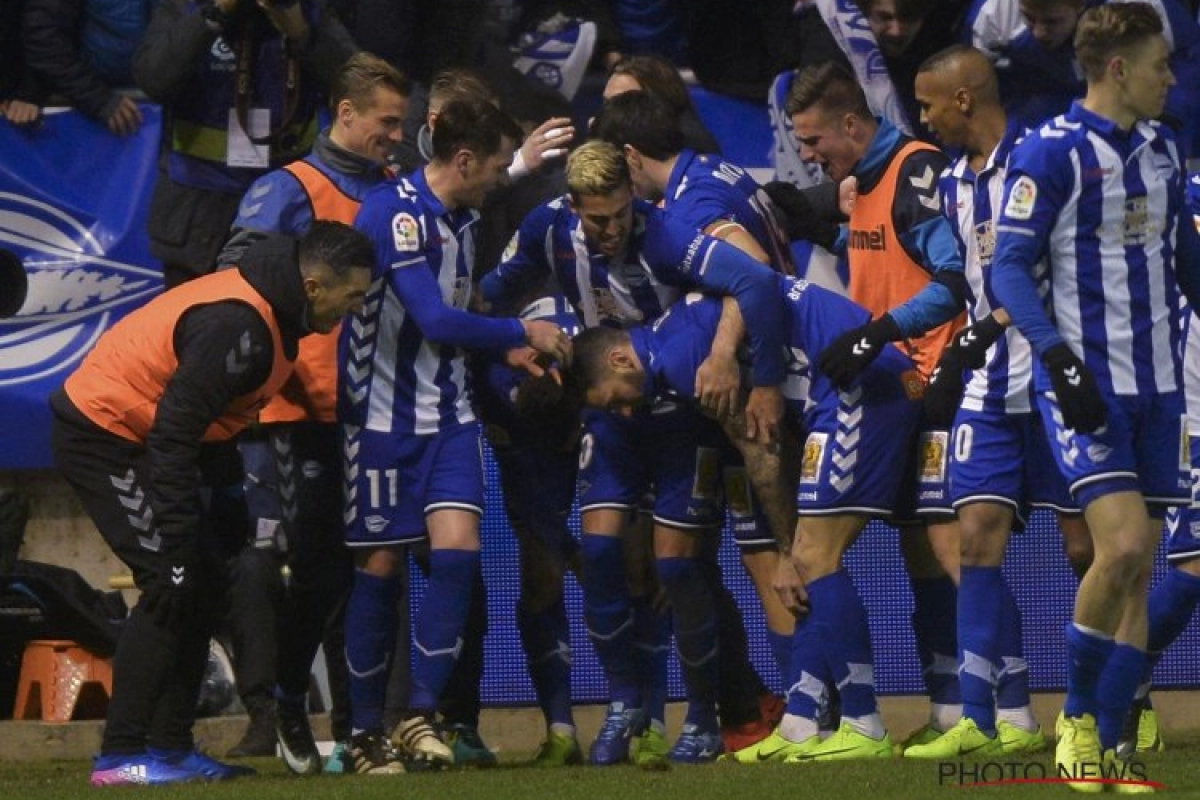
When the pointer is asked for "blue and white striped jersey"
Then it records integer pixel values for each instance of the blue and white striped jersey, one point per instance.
(704, 189)
(617, 292)
(401, 361)
(662, 256)
(972, 203)
(1094, 212)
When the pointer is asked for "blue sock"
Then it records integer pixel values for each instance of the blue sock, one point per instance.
(1114, 694)
(439, 623)
(608, 610)
(1086, 657)
(848, 641)
(781, 651)
(371, 623)
(1172, 603)
(694, 616)
(547, 642)
(935, 607)
(1012, 683)
(807, 681)
(652, 649)
(980, 592)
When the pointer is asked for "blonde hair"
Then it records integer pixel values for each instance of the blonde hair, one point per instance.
(596, 168)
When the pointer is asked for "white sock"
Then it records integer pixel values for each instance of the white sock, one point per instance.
(944, 716)
(1018, 717)
(795, 728)
(870, 726)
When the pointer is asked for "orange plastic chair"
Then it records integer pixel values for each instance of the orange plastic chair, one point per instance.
(61, 681)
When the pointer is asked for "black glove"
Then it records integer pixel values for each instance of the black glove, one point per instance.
(970, 345)
(1078, 395)
(798, 217)
(854, 350)
(943, 394)
(171, 599)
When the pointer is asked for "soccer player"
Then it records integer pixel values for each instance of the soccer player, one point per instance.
(296, 464)
(713, 195)
(998, 445)
(152, 408)
(1173, 601)
(618, 261)
(851, 470)
(906, 269)
(412, 447)
(534, 434)
(1093, 217)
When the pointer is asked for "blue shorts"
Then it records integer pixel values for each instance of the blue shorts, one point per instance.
(1183, 522)
(1004, 458)
(539, 488)
(1142, 448)
(857, 445)
(393, 482)
(671, 449)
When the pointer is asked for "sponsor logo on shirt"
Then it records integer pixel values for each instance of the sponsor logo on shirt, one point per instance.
(873, 239)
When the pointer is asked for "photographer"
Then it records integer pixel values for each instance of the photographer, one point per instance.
(192, 60)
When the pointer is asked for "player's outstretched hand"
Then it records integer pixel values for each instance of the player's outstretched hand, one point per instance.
(788, 584)
(943, 394)
(547, 141)
(764, 413)
(548, 338)
(970, 345)
(171, 599)
(852, 352)
(718, 386)
(1079, 399)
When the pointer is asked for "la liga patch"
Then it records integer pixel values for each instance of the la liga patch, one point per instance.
(1021, 199)
(405, 233)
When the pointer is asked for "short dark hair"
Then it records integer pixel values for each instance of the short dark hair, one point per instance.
(589, 359)
(831, 87)
(337, 245)
(1105, 30)
(659, 77)
(642, 120)
(476, 125)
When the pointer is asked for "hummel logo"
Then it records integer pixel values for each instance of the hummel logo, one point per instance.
(862, 346)
(178, 575)
(1072, 375)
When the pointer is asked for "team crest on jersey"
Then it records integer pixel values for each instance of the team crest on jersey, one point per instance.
(814, 455)
(933, 456)
(510, 249)
(1139, 226)
(405, 233)
(985, 242)
(1021, 199)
